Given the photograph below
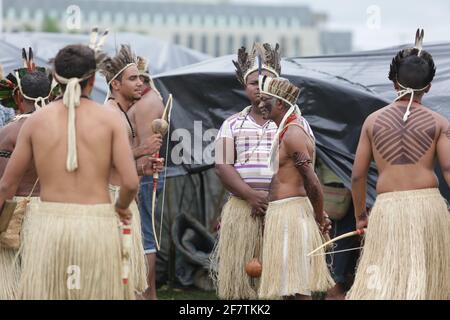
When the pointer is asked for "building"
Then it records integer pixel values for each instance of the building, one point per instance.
(216, 28)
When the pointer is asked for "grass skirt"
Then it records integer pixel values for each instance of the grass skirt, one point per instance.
(406, 252)
(138, 262)
(240, 239)
(290, 233)
(10, 267)
(71, 251)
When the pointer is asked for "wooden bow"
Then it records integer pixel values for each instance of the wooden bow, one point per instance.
(161, 126)
(345, 235)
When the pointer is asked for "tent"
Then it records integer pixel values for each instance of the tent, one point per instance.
(338, 93)
(162, 55)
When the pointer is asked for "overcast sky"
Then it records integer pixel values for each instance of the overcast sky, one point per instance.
(381, 23)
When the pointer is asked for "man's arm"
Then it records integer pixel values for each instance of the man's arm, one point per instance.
(17, 165)
(124, 164)
(297, 149)
(360, 170)
(225, 157)
(443, 150)
(149, 108)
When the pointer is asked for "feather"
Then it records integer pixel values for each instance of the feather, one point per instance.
(32, 65)
(24, 57)
(93, 38)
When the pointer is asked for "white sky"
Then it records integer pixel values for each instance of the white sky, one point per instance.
(398, 19)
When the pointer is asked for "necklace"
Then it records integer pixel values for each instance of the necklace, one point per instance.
(133, 134)
(265, 127)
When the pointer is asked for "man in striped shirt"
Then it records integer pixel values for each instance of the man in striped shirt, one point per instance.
(242, 151)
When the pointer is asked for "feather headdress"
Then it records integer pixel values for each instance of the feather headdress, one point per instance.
(248, 63)
(417, 50)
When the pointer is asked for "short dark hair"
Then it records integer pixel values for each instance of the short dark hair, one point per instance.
(75, 61)
(411, 70)
(35, 84)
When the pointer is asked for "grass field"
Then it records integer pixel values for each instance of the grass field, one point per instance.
(165, 293)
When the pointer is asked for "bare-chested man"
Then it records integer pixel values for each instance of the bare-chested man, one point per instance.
(406, 251)
(34, 85)
(74, 229)
(295, 216)
(123, 77)
(148, 108)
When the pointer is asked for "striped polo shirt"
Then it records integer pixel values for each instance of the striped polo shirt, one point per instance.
(252, 144)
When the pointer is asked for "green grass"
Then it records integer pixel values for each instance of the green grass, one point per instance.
(165, 293)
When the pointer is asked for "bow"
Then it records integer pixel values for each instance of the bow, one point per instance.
(345, 235)
(161, 126)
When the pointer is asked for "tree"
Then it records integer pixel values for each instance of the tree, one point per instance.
(50, 24)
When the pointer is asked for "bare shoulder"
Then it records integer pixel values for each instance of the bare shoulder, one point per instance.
(443, 123)
(149, 103)
(295, 138)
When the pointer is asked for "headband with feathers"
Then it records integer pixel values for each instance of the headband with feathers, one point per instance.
(418, 51)
(248, 63)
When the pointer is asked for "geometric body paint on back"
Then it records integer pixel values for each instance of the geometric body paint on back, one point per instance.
(401, 142)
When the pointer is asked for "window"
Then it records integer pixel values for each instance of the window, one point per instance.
(204, 43)
(119, 19)
(230, 44)
(145, 19)
(297, 46)
(106, 17)
(25, 14)
(244, 41)
(158, 19)
(38, 15)
(11, 14)
(217, 46)
(93, 19)
(190, 41)
(283, 46)
(176, 38)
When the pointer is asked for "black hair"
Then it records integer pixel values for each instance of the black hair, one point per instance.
(411, 70)
(75, 61)
(35, 84)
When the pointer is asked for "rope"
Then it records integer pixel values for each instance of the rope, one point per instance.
(36, 100)
(72, 99)
(405, 91)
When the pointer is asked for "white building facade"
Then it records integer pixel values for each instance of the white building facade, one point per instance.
(217, 29)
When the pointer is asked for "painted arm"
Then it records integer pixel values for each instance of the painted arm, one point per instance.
(295, 141)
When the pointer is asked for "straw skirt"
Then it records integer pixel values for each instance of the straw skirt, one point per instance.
(406, 253)
(138, 262)
(240, 240)
(290, 233)
(10, 265)
(71, 251)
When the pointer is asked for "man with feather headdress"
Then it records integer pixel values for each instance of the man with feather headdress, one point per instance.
(125, 87)
(406, 251)
(242, 149)
(29, 88)
(146, 109)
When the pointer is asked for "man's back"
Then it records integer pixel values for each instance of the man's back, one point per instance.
(405, 152)
(94, 133)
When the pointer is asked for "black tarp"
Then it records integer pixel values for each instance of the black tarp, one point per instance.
(339, 92)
